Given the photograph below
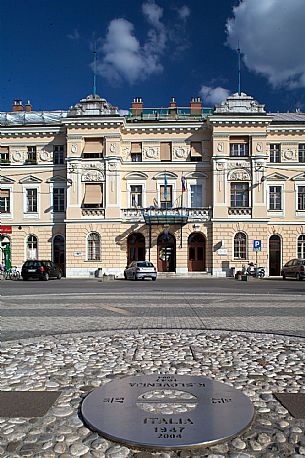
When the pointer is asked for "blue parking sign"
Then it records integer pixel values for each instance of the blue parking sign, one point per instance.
(257, 245)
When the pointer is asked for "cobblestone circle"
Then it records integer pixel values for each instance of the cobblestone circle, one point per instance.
(257, 364)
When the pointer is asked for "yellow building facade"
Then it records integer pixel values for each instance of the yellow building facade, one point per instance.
(191, 189)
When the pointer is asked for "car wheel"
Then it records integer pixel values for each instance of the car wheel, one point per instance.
(46, 276)
(154, 279)
(125, 276)
(25, 278)
(134, 277)
(59, 276)
(284, 276)
(298, 277)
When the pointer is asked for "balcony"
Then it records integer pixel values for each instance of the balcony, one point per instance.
(240, 211)
(93, 212)
(155, 215)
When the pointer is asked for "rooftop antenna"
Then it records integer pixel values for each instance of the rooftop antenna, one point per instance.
(94, 71)
(238, 52)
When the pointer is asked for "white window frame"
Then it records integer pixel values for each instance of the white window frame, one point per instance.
(282, 186)
(193, 182)
(10, 215)
(297, 211)
(26, 246)
(136, 183)
(170, 182)
(87, 247)
(26, 214)
(247, 246)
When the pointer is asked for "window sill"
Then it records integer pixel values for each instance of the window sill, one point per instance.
(31, 215)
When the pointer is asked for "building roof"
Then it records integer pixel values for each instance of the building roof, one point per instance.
(22, 118)
(288, 117)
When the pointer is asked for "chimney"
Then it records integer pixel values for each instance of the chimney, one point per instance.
(137, 106)
(196, 106)
(17, 106)
(28, 107)
(173, 107)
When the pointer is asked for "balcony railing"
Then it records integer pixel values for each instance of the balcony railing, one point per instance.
(240, 211)
(93, 212)
(155, 215)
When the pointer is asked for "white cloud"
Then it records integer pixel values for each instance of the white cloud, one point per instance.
(184, 12)
(213, 95)
(74, 36)
(123, 56)
(271, 34)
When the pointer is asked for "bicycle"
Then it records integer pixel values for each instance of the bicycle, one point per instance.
(12, 274)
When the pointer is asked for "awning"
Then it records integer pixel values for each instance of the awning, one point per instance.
(93, 145)
(93, 194)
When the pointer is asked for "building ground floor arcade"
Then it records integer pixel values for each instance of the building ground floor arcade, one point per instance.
(215, 248)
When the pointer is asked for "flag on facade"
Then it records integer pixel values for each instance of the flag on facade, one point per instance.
(183, 183)
(165, 187)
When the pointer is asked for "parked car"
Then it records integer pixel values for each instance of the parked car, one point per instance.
(139, 270)
(294, 268)
(40, 269)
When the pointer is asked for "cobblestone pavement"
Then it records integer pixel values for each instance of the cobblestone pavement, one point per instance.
(84, 341)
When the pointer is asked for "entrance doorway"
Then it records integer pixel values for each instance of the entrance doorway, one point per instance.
(196, 253)
(274, 255)
(135, 248)
(59, 252)
(166, 253)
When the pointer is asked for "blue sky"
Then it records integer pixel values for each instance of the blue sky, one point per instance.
(152, 49)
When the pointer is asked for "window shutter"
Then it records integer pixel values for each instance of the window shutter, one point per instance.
(196, 149)
(165, 151)
(93, 145)
(93, 194)
(136, 147)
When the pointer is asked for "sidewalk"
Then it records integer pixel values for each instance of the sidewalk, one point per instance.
(258, 364)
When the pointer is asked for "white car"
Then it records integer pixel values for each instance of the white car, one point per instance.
(139, 270)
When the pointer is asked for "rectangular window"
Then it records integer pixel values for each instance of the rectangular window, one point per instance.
(165, 151)
(136, 196)
(239, 194)
(31, 200)
(93, 196)
(136, 152)
(58, 154)
(275, 152)
(94, 148)
(196, 195)
(4, 155)
(302, 152)
(275, 198)
(239, 149)
(166, 202)
(58, 200)
(32, 155)
(301, 197)
(5, 204)
(196, 152)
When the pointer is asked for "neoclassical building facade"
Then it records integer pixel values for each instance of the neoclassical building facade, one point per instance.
(190, 188)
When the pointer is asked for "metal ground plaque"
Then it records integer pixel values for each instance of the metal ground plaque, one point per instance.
(167, 411)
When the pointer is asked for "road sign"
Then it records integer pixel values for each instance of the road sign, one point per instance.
(257, 245)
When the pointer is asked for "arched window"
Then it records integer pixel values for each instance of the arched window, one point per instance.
(94, 246)
(240, 246)
(301, 246)
(32, 247)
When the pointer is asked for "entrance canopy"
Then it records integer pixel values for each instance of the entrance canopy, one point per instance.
(165, 216)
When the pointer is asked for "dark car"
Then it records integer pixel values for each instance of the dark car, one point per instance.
(294, 268)
(40, 269)
(140, 270)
